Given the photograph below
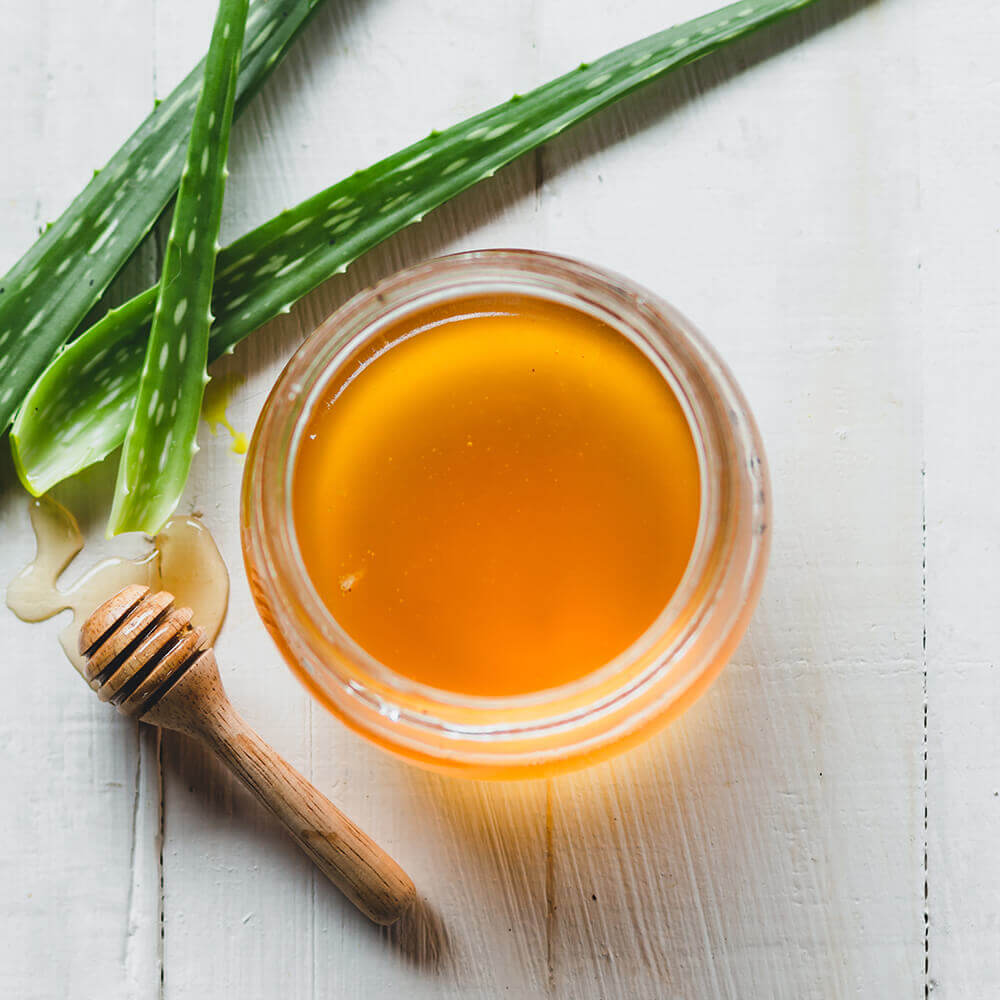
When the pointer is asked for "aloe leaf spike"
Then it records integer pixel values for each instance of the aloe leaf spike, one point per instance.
(264, 272)
(160, 440)
(49, 291)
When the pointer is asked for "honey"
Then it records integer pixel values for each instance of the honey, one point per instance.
(184, 560)
(499, 496)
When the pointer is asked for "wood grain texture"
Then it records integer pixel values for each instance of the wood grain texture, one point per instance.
(959, 256)
(821, 201)
(78, 828)
(790, 797)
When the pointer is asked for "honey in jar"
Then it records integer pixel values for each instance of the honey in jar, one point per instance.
(500, 497)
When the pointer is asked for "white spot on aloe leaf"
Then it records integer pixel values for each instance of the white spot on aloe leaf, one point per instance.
(153, 400)
(30, 278)
(164, 160)
(272, 265)
(104, 237)
(392, 203)
(229, 268)
(75, 228)
(263, 36)
(170, 109)
(598, 81)
(499, 130)
(450, 169)
(180, 310)
(95, 359)
(164, 354)
(182, 346)
(227, 30)
(417, 160)
(204, 161)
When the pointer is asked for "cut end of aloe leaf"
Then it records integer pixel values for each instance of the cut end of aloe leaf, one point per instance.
(149, 516)
(24, 472)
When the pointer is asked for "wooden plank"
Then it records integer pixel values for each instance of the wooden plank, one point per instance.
(355, 88)
(476, 852)
(770, 844)
(235, 888)
(22, 73)
(78, 859)
(960, 251)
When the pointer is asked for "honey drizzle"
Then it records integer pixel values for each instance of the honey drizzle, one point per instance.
(184, 560)
(218, 394)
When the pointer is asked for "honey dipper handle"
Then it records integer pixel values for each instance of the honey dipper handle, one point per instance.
(346, 855)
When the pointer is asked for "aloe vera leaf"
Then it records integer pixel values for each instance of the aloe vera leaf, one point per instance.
(64, 426)
(267, 270)
(49, 291)
(160, 440)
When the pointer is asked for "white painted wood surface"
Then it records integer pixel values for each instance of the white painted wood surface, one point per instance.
(823, 202)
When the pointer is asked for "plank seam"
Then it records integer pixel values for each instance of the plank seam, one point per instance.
(550, 893)
(161, 837)
(923, 600)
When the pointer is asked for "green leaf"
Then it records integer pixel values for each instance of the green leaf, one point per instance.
(160, 440)
(49, 291)
(265, 272)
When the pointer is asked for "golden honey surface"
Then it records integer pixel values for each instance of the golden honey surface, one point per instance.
(502, 498)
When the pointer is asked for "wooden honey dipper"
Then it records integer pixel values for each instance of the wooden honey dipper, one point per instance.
(144, 656)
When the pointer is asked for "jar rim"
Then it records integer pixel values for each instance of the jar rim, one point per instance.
(717, 416)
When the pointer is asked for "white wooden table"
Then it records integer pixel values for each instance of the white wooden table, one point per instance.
(823, 201)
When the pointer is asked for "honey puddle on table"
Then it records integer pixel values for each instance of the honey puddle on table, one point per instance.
(184, 560)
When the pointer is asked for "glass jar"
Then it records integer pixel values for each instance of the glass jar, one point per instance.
(606, 711)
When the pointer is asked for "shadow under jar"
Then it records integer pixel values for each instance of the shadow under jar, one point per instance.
(506, 514)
